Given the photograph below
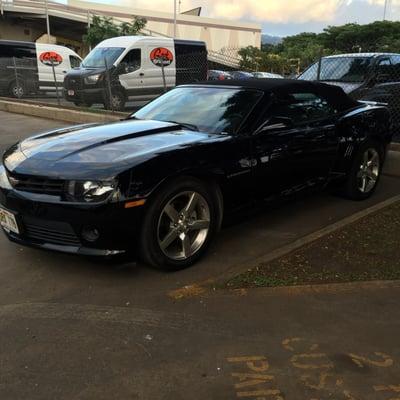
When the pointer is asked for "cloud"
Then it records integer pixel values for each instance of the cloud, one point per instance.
(284, 12)
(278, 11)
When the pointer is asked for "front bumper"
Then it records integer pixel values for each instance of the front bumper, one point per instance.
(92, 95)
(59, 226)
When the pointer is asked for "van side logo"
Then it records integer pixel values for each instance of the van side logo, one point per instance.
(161, 56)
(47, 57)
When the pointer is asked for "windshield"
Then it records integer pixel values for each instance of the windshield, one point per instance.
(340, 69)
(99, 56)
(209, 109)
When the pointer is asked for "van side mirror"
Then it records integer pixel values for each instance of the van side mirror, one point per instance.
(277, 123)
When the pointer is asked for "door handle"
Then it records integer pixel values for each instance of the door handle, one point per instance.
(141, 74)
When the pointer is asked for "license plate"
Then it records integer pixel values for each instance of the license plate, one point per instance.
(71, 93)
(8, 221)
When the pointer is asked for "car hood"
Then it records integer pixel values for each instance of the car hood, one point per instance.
(97, 150)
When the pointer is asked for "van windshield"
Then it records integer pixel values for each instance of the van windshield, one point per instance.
(102, 56)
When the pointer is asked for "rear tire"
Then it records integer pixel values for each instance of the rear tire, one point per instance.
(179, 224)
(365, 172)
(17, 90)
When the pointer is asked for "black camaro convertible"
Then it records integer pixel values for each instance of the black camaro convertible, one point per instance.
(159, 182)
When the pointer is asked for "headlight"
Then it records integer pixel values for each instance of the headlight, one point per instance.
(92, 79)
(4, 182)
(91, 191)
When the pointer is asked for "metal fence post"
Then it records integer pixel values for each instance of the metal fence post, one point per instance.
(55, 81)
(17, 93)
(108, 85)
(161, 60)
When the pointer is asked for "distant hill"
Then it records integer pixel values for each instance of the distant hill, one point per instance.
(269, 39)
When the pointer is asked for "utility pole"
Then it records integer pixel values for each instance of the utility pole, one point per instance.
(47, 20)
(174, 19)
(385, 9)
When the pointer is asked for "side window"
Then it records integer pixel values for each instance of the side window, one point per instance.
(302, 107)
(385, 71)
(74, 61)
(396, 60)
(385, 61)
(310, 74)
(133, 60)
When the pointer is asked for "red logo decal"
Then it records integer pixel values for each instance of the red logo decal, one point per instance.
(161, 56)
(51, 56)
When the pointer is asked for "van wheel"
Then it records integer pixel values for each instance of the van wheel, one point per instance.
(117, 101)
(17, 90)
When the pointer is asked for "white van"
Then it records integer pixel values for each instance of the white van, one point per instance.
(136, 68)
(26, 67)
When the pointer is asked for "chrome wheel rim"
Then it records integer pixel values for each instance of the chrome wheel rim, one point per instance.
(368, 173)
(183, 225)
(116, 101)
(18, 91)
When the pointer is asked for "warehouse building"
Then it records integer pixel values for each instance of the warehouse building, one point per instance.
(26, 20)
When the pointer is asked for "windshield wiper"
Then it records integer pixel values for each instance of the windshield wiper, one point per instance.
(191, 127)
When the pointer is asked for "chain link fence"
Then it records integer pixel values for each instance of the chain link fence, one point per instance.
(133, 82)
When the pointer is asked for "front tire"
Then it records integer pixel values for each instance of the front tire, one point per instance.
(365, 172)
(179, 224)
(116, 102)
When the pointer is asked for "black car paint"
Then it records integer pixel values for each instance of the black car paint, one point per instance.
(144, 155)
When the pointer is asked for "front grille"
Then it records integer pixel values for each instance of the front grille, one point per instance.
(54, 233)
(73, 83)
(32, 184)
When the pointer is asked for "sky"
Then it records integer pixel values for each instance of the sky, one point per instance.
(283, 17)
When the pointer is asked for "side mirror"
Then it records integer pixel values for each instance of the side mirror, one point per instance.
(277, 123)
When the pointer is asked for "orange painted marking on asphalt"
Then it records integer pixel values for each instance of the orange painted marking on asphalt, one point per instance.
(187, 292)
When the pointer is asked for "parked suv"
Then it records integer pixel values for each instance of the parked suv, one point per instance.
(364, 76)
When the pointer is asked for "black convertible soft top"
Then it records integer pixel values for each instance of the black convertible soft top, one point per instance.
(333, 94)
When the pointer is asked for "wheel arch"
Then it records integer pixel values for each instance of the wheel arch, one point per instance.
(212, 178)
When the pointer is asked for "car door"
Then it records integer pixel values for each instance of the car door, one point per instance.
(131, 72)
(272, 152)
(293, 147)
(313, 148)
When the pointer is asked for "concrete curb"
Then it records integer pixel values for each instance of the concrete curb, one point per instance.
(57, 113)
(316, 288)
(312, 237)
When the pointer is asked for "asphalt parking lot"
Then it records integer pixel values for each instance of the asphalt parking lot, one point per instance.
(78, 329)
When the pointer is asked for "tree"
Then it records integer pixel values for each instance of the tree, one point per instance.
(305, 48)
(102, 28)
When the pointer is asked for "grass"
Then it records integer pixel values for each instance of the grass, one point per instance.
(366, 250)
